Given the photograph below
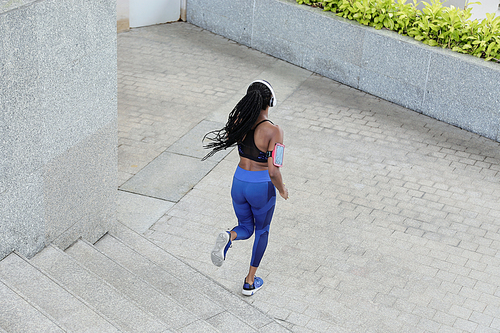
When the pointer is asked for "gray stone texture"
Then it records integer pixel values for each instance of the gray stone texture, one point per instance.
(216, 301)
(101, 296)
(114, 287)
(191, 144)
(169, 177)
(455, 88)
(69, 312)
(171, 279)
(398, 73)
(6, 5)
(334, 48)
(472, 91)
(17, 315)
(139, 212)
(163, 307)
(232, 19)
(58, 122)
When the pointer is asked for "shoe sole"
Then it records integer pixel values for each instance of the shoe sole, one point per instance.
(250, 292)
(218, 251)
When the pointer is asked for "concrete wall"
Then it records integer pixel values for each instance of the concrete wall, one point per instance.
(58, 122)
(459, 89)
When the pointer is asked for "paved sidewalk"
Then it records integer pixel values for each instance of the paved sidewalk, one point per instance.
(393, 219)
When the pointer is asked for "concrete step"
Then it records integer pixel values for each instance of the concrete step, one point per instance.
(96, 292)
(68, 311)
(224, 311)
(123, 283)
(161, 278)
(17, 315)
(128, 283)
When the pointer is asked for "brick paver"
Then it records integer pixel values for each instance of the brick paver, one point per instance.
(393, 219)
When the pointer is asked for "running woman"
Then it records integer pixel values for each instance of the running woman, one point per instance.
(256, 178)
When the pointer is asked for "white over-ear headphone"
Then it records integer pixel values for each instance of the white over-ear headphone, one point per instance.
(273, 101)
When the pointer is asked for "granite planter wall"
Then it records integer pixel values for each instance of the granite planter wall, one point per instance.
(458, 89)
(58, 118)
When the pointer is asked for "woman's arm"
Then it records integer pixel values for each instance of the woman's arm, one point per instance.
(274, 171)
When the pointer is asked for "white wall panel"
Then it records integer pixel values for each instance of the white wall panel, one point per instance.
(149, 12)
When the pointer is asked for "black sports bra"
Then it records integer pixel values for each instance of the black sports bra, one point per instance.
(248, 149)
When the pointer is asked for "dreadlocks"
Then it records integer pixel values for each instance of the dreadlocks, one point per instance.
(240, 120)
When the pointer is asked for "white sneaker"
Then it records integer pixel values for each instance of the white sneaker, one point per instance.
(222, 244)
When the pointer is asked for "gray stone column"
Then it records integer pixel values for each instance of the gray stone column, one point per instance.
(58, 118)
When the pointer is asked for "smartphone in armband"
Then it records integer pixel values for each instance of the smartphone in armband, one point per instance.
(277, 154)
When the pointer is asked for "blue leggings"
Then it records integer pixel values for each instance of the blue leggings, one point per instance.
(254, 197)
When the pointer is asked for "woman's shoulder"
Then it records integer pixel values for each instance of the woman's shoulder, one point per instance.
(270, 124)
(271, 129)
(277, 127)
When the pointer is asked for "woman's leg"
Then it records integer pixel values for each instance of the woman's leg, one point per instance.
(254, 207)
(242, 210)
(251, 275)
(245, 226)
(262, 209)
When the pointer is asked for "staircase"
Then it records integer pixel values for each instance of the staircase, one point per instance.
(122, 283)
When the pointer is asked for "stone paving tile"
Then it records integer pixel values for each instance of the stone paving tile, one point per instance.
(393, 219)
(169, 81)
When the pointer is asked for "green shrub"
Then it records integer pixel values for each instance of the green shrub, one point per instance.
(434, 25)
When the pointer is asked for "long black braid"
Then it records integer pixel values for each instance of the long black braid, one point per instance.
(240, 120)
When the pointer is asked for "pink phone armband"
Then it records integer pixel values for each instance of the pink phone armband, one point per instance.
(278, 154)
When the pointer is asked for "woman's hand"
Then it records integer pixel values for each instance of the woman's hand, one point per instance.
(284, 192)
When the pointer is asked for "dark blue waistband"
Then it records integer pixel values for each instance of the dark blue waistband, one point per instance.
(252, 176)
